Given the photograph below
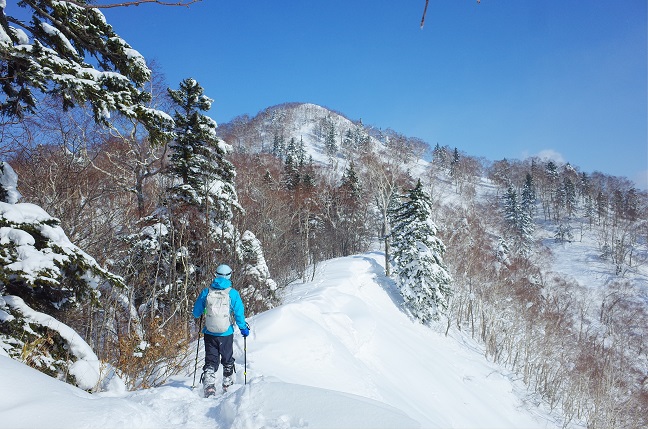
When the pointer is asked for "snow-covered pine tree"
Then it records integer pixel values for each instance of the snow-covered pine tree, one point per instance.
(301, 153)
(206, 184)
(417, 257)
(439, 156)
(48, 286)
(51, 52)
(347, 141)
(174, 250)
(258, 289)
(291, 174)
(350, 182)
(352, 213)
(308, 174)
(551, 171)
(330, 143)
(526, 227)
(454, 163)
(519, 220)
(528, 200)
(278, 146)
(357, 138)
(569, 191)
(512, 210)
(198, 155)
(291, 152)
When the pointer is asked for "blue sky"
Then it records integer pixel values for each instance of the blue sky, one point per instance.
(499, 79)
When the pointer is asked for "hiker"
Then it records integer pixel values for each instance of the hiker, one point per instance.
(219, 302)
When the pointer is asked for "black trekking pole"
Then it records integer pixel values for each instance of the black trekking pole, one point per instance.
(193, 386)
(247, 325)
(245, 359)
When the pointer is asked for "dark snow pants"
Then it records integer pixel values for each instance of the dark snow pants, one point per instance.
(222, 347)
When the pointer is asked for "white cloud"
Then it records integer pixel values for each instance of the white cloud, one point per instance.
(550, 154)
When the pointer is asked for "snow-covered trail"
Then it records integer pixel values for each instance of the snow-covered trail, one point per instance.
(338, 354)
(346, 332)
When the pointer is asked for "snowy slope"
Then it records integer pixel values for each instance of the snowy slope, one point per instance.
(338, 354)
(302, 122)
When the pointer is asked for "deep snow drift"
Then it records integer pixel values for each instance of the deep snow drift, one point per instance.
(339, 353)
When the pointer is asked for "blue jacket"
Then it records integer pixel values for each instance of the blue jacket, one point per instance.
(236, 306)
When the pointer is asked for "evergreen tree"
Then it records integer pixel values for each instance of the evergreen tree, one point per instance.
(330, 143)
(267, 178)
(526, 230)
(309, 180)
(584, 185)
(301, 153)
(357, 138)
(64, 285)
(257, 288)
(171, 255)
(278, 144)
(352, 222)
(455, 162)
(292, 153)
(291, 174)
(181, 243)
(551, 171)
(347, 141)
(197, 159)
(519, 221)
(439, 156)
(528, 196)
(569, 192)
(602, 205)
(588, 209)
(51, 52)
(417, 259)
(350, 181)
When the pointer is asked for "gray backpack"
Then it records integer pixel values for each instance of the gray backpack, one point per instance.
(217, 310)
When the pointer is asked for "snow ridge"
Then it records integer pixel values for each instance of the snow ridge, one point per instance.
(339, 353)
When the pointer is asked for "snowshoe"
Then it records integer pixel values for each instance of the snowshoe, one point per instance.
(210, 391)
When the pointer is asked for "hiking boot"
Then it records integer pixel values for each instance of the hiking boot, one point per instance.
(210, 390)
(227, 382)
(228, 375)
(208, 379)
(228, 370)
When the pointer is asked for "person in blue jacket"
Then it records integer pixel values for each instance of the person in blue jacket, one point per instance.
(220, 344)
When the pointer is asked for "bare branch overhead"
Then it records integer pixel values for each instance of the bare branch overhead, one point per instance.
(85, 5)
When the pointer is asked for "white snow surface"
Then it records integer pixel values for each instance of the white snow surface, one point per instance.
(8, 177)
(87, 368)
(339, 353)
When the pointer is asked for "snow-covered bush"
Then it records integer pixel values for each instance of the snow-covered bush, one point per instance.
(44, 277)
